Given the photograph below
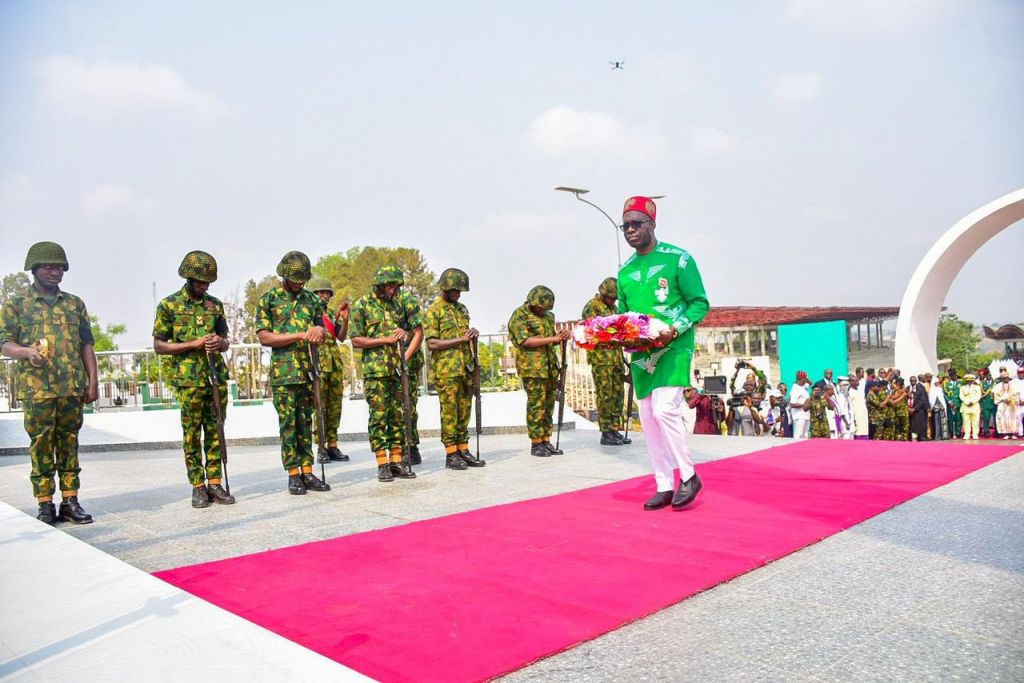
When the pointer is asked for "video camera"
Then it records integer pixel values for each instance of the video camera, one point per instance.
(716, 385)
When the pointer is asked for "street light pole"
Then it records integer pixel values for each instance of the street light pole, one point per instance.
(577, 192)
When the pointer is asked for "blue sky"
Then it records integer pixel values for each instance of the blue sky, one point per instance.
(810, 152)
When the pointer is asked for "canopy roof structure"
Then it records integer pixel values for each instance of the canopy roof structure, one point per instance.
(762, 316)
(1008, 332)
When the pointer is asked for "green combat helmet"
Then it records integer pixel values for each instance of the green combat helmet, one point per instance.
(295, 267)
(320, 284)
(389, 275)
(453, 278)
(541, 296)
(609, 287)
(198, 266)
(43, 253)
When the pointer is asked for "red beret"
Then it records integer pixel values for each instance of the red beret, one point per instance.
(644, 205)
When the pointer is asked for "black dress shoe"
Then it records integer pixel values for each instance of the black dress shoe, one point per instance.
(658, 500)
(384, 473)
(313, 484)
(414, 455)
(47, 513)
(471, 460)
(219, 495)
(402, 471)
(336, 455)
(540, 450)
(295, 485)
(71, 511)
(551, 449)
(453, 462)
(611, 439)
(686, 492)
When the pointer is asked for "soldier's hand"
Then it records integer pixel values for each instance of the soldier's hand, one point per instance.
(35, 357)
(92, 392)
(398, 335)
(564, 335)
(315, 335)
(343, 310)
(472, 333)
(199, 344)
(212, 343)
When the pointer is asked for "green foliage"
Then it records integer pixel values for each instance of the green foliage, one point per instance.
(957, 340)
(351, 273)
(13, 285)
(105, 336)
(243, 319)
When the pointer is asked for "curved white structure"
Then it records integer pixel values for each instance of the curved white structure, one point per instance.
(922, 302)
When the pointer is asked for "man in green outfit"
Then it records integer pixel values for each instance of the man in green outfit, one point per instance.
(48, 331)
(410, 320)
(531, 329)
(189, 326)
(449, 339)
(376, 330)
(288, 320)
(988, 405)
(606, 367)
(953, 405)
(332, 369)
(662, 281)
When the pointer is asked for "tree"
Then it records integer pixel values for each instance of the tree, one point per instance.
(958, 341)
(242, 319)
(351, 273)
(13, 285)
(104, 340)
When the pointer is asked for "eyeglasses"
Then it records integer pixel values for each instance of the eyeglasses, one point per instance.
(636, 225)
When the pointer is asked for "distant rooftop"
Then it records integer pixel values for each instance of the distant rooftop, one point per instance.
(744, 316)
(1005, 332)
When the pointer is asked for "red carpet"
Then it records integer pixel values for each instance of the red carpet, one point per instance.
(478, 594)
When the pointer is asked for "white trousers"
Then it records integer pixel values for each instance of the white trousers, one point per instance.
(661, 416)
(801, 428)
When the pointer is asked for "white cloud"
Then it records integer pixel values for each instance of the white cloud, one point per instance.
(711, 141)
(18, 189)
(111, 197)
(797, 88)
(867, 19)
(564, 131)
(118, 88)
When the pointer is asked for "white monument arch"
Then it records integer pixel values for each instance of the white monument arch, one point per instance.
(922, 302)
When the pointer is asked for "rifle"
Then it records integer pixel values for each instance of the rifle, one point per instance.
(476, 395)
(629, 403)
(218, 412)
(561, 394)
(318, 404)
(406, 409)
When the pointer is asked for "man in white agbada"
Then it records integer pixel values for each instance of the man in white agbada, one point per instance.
(798, 398)
(859, 409)
(1019, 383)
(844, 412)
(1007, 401)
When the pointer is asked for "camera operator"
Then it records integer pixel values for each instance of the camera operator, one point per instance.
(754, 382)
(743, 418)
(705, 422)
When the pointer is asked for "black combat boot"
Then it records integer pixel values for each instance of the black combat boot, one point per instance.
(295, 485)
(470, 459)
(611, 439)
(453, 462)
(551, 449)
(314, 484)
(402, 471)
(47, 513)
(384, 473)
(219, 495)
(200, 497)
(323, 455)
(336, 454)
(414, 455)
(71, 511)
(540, 450)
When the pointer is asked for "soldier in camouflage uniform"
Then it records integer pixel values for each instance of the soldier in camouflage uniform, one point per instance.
(376, 330)
(606, 366)
(288, 319)
(818, 407)
(411, 321)
(449, 338)
(877, 400)
(190, 325)
(531, 330)
(48, 331)
(332, 369)
(900, 411)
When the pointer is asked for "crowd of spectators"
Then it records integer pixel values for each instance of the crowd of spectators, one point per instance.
(868, 404)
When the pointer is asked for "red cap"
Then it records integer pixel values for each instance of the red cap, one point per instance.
(644, 205)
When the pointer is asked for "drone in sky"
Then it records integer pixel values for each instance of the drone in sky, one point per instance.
(617, 65)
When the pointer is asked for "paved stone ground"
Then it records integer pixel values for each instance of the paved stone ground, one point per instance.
(933, 589)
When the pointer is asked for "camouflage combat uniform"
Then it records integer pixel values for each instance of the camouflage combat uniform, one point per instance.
(375, 317)
(818, 408)
(283, 312)
(876, 414)
(51, 395)
(411, 318)
(451, 371)
(606, 365)
(332, 380)
(901, 420)
(538, 368)
(180, 318)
